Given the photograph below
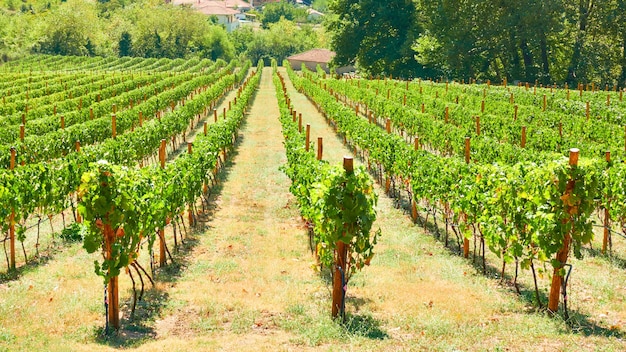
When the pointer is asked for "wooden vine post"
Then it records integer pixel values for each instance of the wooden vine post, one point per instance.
(478, 125)
(161, 230)
(320, 148)
(413, 202)
(12, 220)
(607, 216)
(341, 255)
(113, 126)
(190, 210)
(561, 256)
(113, 298)
(307, 137)
(78, 217)
(300, 122)
(466, 243)
(523, 144)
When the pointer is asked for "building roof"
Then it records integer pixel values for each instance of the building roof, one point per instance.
(231, 4)
(314, 55)
(213, 9)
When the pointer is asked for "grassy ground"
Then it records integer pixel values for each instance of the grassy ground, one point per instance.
(243, 281)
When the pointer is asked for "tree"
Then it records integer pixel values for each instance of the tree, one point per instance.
(125, 47)
(273, 12)
(71, 30)
(216, 45)
(376, 35)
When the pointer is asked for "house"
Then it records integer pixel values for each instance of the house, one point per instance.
(315, 57)
(227, 12)
(225, 16)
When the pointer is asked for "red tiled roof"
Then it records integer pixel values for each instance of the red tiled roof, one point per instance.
(216, 10)
(315, 55)
(239, 4)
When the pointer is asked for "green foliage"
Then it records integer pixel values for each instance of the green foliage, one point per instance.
(125, 47)
(73, 233)
(282, 39)
(375, 35)
(320, 5)
(524, 205)
(68, 30)
(123, 205)
(275, 11)
(339, 206)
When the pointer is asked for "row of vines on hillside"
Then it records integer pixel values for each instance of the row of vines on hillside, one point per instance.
(338, 203)
(525, 212)
(125, 207)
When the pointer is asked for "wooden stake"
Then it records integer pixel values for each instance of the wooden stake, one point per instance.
(562, 254)
(62, 122)
(417, 143)
(190, 210)
(515, 114)
(341, 250)
(161, 230)
(300, 122)
(112, 287)
(114, 109)
(11, 219)
(307, 137)
(140, 119)
(215, 115)
(446, 115)
(482, 106)
(320, 148)
(545, 102)
(91, 113)
(523, 145)
(607, 215)
(388, 126)
(22, 133)
(113, 126)
(466, 244)
(78, 217)
(205, 127)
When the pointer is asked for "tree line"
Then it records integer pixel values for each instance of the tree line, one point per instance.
(528, 40)
(147, 28)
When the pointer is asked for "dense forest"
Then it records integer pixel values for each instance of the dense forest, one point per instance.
(549, 41)
(529, 40)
